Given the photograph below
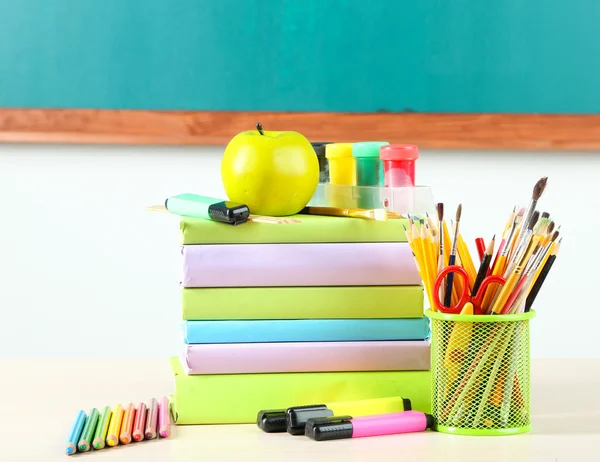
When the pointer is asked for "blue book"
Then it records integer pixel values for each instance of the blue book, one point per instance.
(305, 330)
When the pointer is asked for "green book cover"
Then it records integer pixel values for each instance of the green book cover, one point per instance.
(353, 302)
(237, 398)
(312, 228)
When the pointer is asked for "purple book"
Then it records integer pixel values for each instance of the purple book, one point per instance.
(256, 358)
(297, 265)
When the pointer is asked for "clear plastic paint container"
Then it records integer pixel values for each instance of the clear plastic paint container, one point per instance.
(369, 168)
(342, 167)
(319, 148)
(399, 164)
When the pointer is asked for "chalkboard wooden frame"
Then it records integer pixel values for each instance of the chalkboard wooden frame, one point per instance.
(450, 131)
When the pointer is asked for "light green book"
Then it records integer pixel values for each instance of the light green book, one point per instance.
(237, 398)
(351, 302)
(312, 228)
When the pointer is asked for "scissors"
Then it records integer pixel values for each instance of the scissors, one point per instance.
(464, 297)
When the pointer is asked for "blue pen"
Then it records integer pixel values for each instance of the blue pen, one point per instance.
(75, 433)
(452, 259)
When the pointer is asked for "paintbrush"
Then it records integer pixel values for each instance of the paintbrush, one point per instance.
(368, 214)
(440, 267)
(538, 190)
(452, 258)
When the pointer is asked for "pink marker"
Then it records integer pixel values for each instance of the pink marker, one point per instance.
(336, 428)
(164, 421)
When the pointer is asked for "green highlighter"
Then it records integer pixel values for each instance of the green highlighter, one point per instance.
(208, 208)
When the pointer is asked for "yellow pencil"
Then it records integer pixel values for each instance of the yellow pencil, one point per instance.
(467, 261)
(512, 280)
(457, 347)
(415, 247)
(549, 247)
(114, 429)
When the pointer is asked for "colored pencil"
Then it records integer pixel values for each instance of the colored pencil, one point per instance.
(484, 267)
(87, 435)
(140, 422)
(127, 426)
(164, 419)
(75, 433)
(151, 420)
(102, 428)
(543, 275)
(480, 248)
(114, 429)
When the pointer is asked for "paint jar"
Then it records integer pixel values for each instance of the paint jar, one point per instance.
(319, 148)
(342, 168)
(399, 164)
(369, 168)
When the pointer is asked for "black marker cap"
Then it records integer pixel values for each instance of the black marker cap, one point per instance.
(229, 212)
(296, 417)
(329, 428)
(271, 421)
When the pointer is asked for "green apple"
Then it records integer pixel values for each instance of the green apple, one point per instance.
(274, 173)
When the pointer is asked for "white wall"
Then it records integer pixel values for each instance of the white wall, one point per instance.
(86, 270)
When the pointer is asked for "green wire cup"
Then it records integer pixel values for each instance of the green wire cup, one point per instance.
(480, 372)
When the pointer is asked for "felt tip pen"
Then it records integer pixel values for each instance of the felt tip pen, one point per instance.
(75, 434)
(208, 208)
(336, 428)
(293, 419)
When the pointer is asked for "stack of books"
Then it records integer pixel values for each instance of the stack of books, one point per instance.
(276, 315)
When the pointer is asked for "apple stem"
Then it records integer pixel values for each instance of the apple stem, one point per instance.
(259, 128)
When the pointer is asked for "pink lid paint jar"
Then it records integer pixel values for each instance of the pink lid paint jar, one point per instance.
(399, 164)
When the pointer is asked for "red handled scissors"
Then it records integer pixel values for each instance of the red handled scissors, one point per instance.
(464, 297)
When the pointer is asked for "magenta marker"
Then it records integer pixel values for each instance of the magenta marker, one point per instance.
(337, 428)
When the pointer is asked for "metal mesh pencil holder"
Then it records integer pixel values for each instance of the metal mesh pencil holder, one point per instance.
(480, 369)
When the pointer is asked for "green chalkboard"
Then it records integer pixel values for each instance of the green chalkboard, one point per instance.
(523, 56)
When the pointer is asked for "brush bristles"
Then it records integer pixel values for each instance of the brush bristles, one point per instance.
(554, 236)
(534, 218)
(458, 212)
(545, 215)
(521, 212)
(440, 211)
(539, 187)
(550, 228)
(380, 215)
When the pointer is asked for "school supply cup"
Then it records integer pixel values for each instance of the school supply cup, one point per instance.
(399, 164)
(480, 368)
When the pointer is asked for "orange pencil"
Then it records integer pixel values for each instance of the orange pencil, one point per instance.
(127, 426)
